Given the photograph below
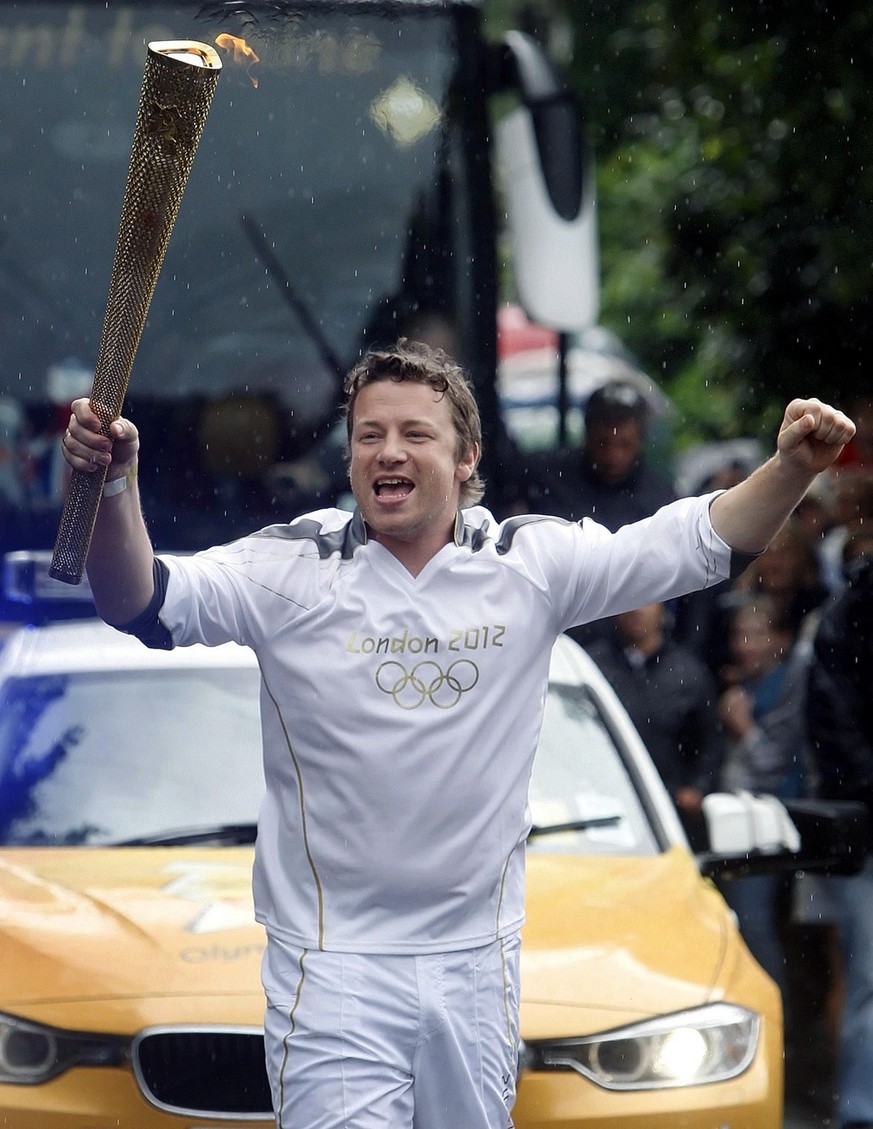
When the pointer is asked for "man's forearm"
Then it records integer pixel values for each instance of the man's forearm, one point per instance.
(810, 438)
(750, 514)
(120, 558)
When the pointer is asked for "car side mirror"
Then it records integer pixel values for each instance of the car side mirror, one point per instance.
(758, 834)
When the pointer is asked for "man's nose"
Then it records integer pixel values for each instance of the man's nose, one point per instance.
(393, 448)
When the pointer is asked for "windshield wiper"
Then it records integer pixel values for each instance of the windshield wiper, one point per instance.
(574, 825)
(222, 834)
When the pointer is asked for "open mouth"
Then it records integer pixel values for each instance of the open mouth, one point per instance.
(393, 488)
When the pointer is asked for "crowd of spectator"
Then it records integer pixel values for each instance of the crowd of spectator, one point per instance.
(763, 683)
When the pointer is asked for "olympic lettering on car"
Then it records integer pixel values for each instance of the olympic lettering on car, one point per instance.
(427, 681)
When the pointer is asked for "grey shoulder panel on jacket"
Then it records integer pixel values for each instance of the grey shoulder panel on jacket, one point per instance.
(476, 537)
(328, 543)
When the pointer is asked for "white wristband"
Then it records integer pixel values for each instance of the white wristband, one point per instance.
(119, 485)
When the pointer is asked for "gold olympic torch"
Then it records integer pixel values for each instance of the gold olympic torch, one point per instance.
(177, 90)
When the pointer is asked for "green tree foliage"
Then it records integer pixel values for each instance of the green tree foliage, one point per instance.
(735, 177)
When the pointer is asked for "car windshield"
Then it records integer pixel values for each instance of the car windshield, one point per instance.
(580, 779)
(329, 202)
(96, 758)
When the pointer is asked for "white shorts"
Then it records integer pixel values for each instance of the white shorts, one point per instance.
(392, 1042)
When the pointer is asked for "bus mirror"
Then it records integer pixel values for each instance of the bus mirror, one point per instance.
(548, 185)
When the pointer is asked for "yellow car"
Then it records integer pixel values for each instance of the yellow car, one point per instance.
(130, 995)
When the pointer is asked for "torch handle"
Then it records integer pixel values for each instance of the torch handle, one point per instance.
(77, 525)
(177, 90)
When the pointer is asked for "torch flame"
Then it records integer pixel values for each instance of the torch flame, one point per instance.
(242, 53)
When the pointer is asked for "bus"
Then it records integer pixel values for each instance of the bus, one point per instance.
(353, 183)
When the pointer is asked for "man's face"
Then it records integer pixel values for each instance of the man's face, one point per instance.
(404, 469)
(641, 624)
(757, 646)
(613, 449)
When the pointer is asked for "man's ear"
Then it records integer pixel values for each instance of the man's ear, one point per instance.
(468, 463)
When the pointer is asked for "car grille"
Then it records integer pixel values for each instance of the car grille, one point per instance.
(219, 1072)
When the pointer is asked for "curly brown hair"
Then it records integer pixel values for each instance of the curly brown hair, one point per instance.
(417, 362)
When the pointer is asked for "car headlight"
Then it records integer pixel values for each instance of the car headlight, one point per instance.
(685, 1048)
(31, 1053)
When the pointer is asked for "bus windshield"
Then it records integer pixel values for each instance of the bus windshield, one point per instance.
(329, 208)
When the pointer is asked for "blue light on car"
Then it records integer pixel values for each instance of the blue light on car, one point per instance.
(26, 580)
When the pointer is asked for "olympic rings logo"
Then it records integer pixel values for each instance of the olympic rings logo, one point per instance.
(427, 682)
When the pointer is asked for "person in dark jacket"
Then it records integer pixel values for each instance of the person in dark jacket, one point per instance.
(840, 720)
(670, 696)
(607, 478)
